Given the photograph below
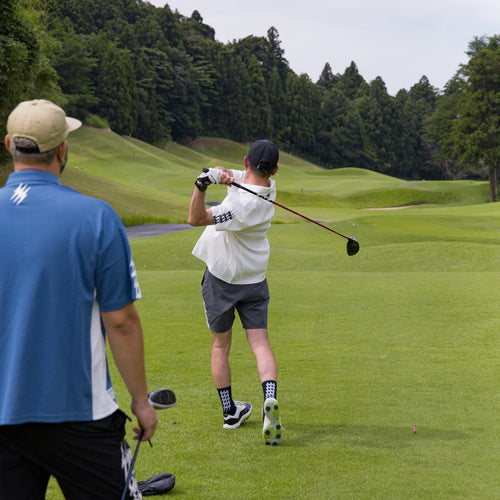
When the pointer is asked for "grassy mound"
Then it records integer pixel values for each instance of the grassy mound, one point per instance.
(147, 184)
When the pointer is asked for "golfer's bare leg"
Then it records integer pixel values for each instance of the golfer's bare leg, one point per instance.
(266, 362)
(221, 371)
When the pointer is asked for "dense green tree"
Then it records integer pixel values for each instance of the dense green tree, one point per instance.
(239, 104)
(377, 111)
(438, 127)
(115, 89)
(424, 92)
(73, 60)
(327, 79)
(351, 83)
(154, 81)
(331, 124)
(43, 78)
(197, 24)
(476, 131)
(186, 96)
(160, 75)
(303, 105)
(170, 24)
(259, 113)
(88, 16)
(25, 71)
(414, 149)
(276, 52)
(276, 97)
(276, 56)
(355, 143)
(148, 33)
(200, 49)
(232, 104)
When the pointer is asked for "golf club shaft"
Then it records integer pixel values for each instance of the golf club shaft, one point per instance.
(290, 210)
(132, 464)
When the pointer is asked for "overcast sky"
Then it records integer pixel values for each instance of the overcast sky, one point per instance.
(397, 40)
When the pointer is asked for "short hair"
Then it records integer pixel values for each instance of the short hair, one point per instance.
(26, 150)
(260, 170)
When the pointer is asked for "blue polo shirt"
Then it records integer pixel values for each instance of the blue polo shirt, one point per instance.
(64, 258)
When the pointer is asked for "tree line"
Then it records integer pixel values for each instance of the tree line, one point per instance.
(158, 75)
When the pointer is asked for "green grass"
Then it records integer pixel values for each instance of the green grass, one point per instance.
(403, 333)
(146, 184)
(400, 334)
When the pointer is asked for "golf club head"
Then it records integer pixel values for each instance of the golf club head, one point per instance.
(157, 485)
(162, 398)
(352, 246)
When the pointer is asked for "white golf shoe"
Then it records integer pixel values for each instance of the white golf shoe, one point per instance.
(272, 429)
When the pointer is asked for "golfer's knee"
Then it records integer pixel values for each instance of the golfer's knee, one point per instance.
(221, 340)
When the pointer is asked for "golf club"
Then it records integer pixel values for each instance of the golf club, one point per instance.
(129, 475)
(352, 243)
(159, 399)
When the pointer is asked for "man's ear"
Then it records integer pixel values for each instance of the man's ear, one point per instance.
(275, 170)
(246, 162)
(61, 152)
(7, 143)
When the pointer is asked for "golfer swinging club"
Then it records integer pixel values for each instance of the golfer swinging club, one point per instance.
(235, 249)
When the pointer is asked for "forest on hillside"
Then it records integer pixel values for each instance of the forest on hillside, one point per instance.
(158, 75)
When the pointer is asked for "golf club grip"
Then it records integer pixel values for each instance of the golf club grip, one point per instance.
(289, 209)
(132, 464)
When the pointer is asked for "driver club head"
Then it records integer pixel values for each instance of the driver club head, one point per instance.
(162, 398)
(352, 246)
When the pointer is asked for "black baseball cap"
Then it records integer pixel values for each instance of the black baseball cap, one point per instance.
(264, 155)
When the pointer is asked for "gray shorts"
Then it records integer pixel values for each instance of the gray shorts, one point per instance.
(221, 299)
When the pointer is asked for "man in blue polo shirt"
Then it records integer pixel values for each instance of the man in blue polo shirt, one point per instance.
(67, 281)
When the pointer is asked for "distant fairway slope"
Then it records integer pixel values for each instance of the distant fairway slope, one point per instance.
(147, 184)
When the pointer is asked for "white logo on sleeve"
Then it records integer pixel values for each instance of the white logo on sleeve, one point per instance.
(133, 275)
(20, 194)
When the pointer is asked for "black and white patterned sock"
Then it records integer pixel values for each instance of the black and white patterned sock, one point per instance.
(226, 399)
(270, 388)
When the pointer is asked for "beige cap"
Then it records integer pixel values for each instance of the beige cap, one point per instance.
(41, 121)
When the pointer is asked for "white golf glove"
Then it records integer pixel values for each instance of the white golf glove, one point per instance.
(209, 176)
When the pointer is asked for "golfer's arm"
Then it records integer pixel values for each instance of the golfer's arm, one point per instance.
(198, 214)
(124, 331)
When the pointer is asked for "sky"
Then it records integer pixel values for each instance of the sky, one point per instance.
(398, 40)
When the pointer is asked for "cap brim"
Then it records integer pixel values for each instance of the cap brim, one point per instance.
(72, 124)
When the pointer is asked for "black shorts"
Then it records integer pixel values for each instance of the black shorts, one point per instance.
(90, 460)
(221, 299)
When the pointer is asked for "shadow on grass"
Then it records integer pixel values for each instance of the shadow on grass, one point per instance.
(367, 435)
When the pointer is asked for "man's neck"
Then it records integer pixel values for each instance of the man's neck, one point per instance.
(256, 180)
(53, 168)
